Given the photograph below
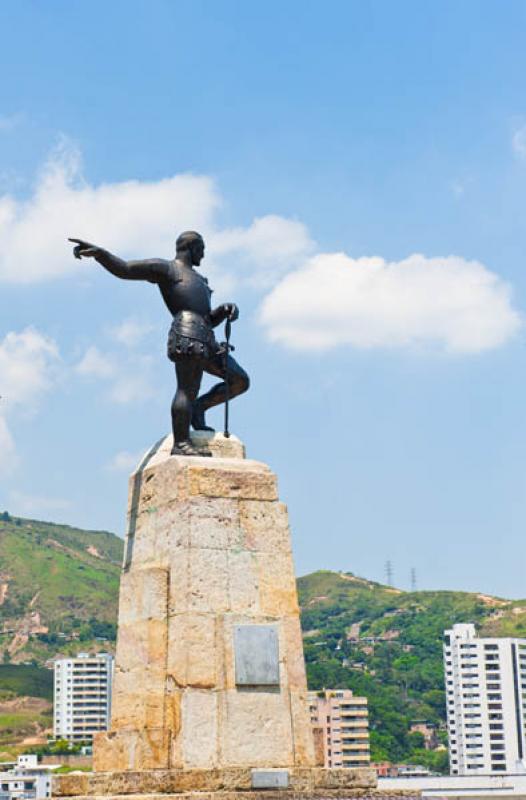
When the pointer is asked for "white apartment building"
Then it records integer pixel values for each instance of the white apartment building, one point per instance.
(486, 702)
(82, 696)
(26, 780)
(340, 723)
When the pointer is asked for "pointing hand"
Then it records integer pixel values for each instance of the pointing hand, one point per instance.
(84, 249)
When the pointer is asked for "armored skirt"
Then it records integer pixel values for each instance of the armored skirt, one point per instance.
(191, 337)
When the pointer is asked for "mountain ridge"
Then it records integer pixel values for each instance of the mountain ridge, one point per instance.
(59, 594)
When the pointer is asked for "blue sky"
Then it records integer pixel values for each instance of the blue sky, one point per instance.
(359, 172)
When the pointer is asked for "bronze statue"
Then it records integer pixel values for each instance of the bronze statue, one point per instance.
(192, 345)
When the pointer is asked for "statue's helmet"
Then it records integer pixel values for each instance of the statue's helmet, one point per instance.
(186, 240)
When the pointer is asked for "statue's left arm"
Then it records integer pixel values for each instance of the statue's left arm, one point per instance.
(226, 311)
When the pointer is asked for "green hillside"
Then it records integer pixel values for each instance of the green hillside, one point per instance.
(58, 589)
(387, 645)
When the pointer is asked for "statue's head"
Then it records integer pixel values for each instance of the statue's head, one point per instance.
(193, 243)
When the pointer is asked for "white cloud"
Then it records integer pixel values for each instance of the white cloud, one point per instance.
(131, 331)
(448, 303)
(29, 363)
(28, 367)
(123, 461)
(96, 364)
(518, 142)
(268, 248)
(136, 219)
(129, 379)
(134, 383)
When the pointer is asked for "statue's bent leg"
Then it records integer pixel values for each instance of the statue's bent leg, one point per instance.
(238, 382)
(189, 374)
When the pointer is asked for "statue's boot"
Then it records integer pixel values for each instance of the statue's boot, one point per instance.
(198, 419)
(186, 448)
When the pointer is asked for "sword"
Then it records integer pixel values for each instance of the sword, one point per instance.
(227, 347)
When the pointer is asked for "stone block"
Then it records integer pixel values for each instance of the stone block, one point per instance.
(219, 445)
(208, 581)
(179, 591)
(277, 584)
(214, 523)
(199, 728)
(215, 442)
(70, 785)
(173, 709)
(255, 729)
(265, 526)
(292, 653)
(143, 595)
(253, 482)
(304, 753)
(158, 533)
(138, 709)
(243, 586)
(163, 485)
(132, 750)
(359, 777)
(193, 650)
(141, 645)
(232, 783)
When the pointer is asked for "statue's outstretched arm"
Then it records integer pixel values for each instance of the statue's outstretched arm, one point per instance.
(152, 269)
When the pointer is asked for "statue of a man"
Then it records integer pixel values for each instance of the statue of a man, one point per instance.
(191, 342)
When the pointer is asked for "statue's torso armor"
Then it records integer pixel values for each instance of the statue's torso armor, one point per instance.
(188, 296)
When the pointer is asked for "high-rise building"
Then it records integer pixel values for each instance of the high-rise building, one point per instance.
(340, 724)
(486, 701)
(82, 696)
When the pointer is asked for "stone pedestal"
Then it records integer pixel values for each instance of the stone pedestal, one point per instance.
(209, 690)
(207, 555)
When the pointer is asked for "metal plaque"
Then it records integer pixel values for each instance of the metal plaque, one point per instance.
(257, 655)
(270, 779)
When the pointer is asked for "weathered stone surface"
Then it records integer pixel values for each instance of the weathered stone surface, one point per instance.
(143, 595)
(253, 484)
(208, 549)
(265, 526)
(214, 442)
(256, 729)
(301, 730)
(220, 782)
(214, 523)
(143, 749)
(200, 729)
(243, 582)
(277, 584)
(195, 664)
(349, 793)
(292, 647)
(208, 581)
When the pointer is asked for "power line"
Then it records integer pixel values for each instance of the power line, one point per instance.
(413, 579)
(389, 572)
